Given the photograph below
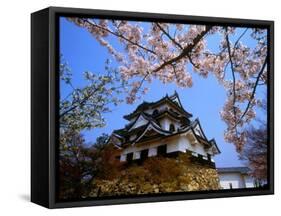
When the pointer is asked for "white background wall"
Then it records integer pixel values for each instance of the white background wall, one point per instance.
(249, 181)
(235, 179)
(15, 107)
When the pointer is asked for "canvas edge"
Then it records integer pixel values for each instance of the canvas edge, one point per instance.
(39, 108)
(53, 11)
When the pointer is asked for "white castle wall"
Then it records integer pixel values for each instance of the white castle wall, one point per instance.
(178, 143)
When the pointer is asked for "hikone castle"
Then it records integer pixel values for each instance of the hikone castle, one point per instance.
(163, 128)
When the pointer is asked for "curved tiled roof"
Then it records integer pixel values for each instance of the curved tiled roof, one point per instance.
(146, 105)
(180, 115)
(140, 131)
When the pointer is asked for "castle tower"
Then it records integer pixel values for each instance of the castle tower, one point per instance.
(163, 128)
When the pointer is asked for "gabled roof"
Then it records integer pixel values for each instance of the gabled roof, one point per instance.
(204, 139)
(154, 118)
(155, 127)
(170, 114)
(141, 131)
(112, 140)
(124, 132)
(141, 114)
(129, 130)
(197, 122)
(133, 133)
(175, 98)
(169, 99)
(214, 143)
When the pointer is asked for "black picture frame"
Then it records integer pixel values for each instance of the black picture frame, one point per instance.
(44, 105)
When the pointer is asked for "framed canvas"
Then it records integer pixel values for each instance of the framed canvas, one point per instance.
(139, 107)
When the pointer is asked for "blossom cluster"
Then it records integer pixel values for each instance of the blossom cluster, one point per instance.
(166, 52)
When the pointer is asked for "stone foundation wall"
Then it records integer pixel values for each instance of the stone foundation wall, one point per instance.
(158, 175)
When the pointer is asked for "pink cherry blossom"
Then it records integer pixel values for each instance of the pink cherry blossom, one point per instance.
(164, 51)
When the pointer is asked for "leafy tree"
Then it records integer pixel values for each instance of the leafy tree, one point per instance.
(83, 107)
(255, 150)
(76, 168)
(80, 164)
(101, 142)
(163, 51)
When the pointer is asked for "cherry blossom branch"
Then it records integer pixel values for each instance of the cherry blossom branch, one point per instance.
(234, 47)
(142, 81)
(176, 43)
(254, 90)
(186, 50)
(169, 36)
(191, 61)
(175, 72)
(237, 41)
(162, 52)
(119, 35)
(232, 72)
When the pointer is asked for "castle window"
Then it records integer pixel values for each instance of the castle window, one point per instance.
(172, 127)
(155, 112)
(144, 154)
(185, 121)
(130, 157)
(162, 150)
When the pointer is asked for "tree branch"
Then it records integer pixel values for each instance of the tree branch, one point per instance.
(234, 47)
(169, 36)
(118, 35)
(186, 50)
(84, 100)
(254, 90)
(232, 71)
(142, 81)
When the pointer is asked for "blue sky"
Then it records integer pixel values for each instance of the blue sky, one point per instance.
(204, 100)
